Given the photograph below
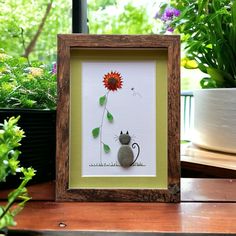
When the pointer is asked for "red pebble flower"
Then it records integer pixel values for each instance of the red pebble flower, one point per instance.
(112, 81)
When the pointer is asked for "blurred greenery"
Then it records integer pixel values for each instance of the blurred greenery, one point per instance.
(115, 17)
(119, 18)
(26, 86)
(208, 29)
(20, 21)
(24, 17)
(190, 80)
(95, 5)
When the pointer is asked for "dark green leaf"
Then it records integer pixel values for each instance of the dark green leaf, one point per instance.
(109, 116)
(106, 148)
(102, 100)
(233, 14)
(202, 68)
(95, 132)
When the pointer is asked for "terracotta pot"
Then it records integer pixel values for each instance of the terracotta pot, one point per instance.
(215, 119)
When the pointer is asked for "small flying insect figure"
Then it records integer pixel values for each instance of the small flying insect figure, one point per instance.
(135, 93)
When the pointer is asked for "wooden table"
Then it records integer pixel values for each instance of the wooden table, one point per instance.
(207, 206)
(199, 162)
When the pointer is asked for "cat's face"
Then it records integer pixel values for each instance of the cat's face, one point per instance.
(124, 138)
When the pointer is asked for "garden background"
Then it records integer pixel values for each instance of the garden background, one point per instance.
(29, 27)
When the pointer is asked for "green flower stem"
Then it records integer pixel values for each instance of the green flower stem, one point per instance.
(101, 126)
(12, 200)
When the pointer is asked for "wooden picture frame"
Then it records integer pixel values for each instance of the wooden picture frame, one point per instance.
(81, 57)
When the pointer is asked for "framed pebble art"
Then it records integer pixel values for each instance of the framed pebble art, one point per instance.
(118, 118)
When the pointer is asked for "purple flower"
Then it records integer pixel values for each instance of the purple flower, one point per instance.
(170, 29)
(176, 12)
(167, 17)
(54, 68)
(170, 13)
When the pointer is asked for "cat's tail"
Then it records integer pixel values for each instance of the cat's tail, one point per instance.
(134, 145)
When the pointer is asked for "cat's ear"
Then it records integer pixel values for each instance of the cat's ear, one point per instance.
(121, 132)
(127, 132)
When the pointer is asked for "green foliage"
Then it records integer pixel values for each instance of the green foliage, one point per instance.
(20, 20)
(95, 132)
(106, 148)
(26, 86)
(118, 19)
(208, 28)
(27, 15)
(109, 117)
(10, 137)
(102, 100)
(101, 4)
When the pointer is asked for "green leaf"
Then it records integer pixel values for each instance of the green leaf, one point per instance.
(202, 68)
(95, 132)
(7, 220)
(216, 75)
(106, 148)
(233, 13)
(109, 116)
(208, 83)
(102, 100)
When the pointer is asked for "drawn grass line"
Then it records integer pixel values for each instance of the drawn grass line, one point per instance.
(114, 164)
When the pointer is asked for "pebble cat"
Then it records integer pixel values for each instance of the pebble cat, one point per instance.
(125, 153)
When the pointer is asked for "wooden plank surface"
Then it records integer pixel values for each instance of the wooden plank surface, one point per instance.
(100, 233)
(198, 162)
(194, 154)
(194, 170)
(42, 191)
(212, 215)
(197, 190)
(208, 190)
(131, 217)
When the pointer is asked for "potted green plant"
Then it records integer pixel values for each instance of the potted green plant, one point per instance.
(10, 138)
(208, 29)
(29, 90)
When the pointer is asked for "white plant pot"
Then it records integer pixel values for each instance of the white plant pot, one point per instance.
(215, 119)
